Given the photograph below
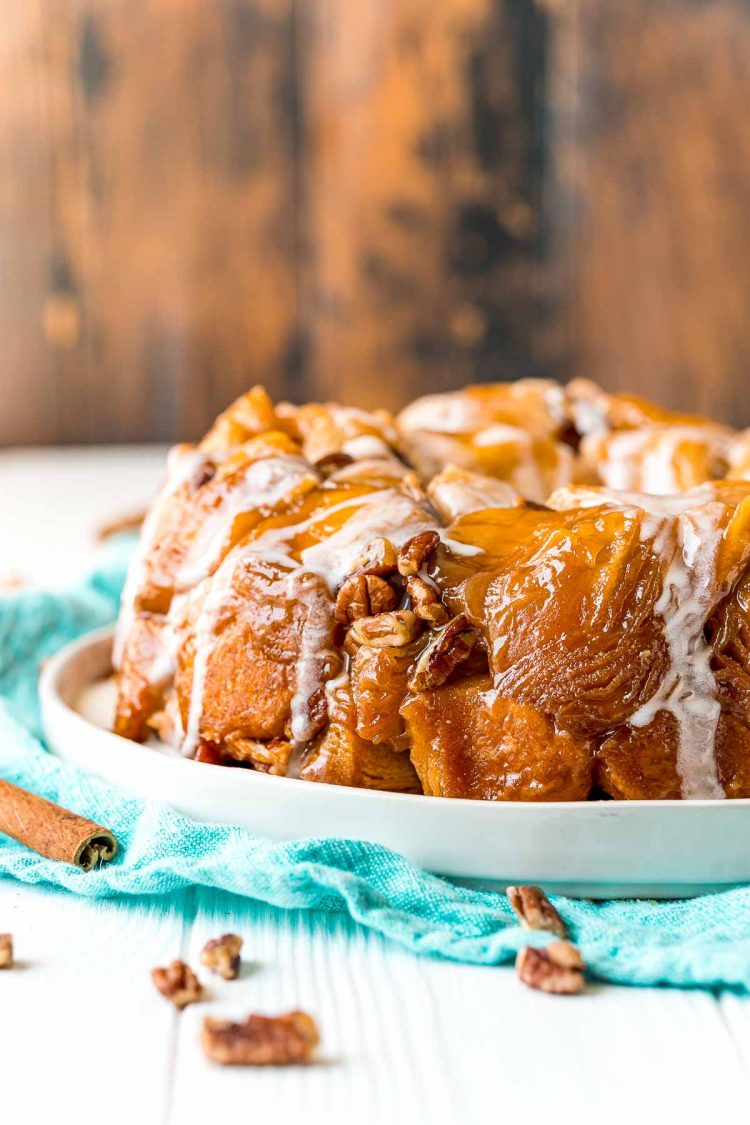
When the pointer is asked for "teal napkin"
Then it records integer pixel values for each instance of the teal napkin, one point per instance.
(703, 942)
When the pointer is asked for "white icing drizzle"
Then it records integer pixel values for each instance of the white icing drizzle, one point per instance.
(685, 529)
(182, 462)
(646, 459)
(264, 484)
(457, 492)
(380, 513)
(689, 542)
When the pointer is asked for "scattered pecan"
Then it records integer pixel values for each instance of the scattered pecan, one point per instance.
(556, 968)
(364, 595)
(387, 630)
(333, 461)
(535, 911)
(425, 600)
(379, 559)
(222, 956)
(260, 1040)
(448, 648)
(416, 552)
(178, 983)
(6, 951)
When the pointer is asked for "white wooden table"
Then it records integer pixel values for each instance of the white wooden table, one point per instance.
(84, 1037)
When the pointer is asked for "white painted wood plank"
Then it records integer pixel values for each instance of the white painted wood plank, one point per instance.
(378, 1038)
(407, 1038)
(610, 1054)
(54, 500)
(735, 1010)
(83, 1034)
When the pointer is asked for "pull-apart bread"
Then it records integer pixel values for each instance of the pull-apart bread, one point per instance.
(511, 592)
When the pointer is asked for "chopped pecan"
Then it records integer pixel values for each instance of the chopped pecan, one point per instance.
(425, 600)
(535, 911)
(379, 559)
(387, 630)
(332, 461)
(416, 552)
(556, 968)
(222, 956)
(261, 1040)
(412, 486)
(448, 648)
(6, 951)
(178, 983)
(364, 595)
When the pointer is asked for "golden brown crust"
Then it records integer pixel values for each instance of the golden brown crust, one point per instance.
(514, 653)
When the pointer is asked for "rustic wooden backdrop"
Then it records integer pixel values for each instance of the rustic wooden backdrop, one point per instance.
(366, 200)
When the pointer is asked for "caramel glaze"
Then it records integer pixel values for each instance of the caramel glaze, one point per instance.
(604, 636)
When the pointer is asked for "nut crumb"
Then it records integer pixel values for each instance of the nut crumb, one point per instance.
(6, 951)
(535, 911)
(222, 956)
(178, 983)
(557, 968)
(260, 1040)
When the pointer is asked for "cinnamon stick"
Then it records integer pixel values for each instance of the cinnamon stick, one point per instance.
(53, 831)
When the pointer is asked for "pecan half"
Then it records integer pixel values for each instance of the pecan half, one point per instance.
(535, 911)
(222, 956)
(379, 558)
(6, 951)
(260, 1040)
(416, 552)
(178, 983)
(557, 968)
(387, 630)
(425, 600)
(364, 595)
(332, 461)
(449, 648)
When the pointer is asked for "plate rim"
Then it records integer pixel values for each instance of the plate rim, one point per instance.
(51, 700)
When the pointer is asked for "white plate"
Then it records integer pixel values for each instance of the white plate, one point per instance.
(594, 849)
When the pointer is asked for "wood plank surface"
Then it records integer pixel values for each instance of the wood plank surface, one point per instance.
(152, 201)
(648, 192)
(366, 201)
(422, 188)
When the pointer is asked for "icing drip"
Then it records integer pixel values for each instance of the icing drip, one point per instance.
(182, 463)
(332, 559)
(646, 459)
(264, 484)
(688, 688)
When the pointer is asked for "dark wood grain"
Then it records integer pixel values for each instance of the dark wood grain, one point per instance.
(366, 201)
(147, 222)
(650, 198)
(423, 191)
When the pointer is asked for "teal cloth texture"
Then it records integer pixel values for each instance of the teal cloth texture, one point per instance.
(703, 942)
